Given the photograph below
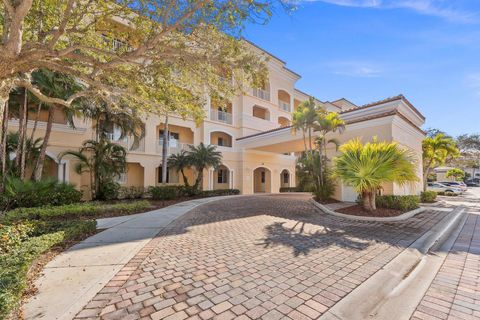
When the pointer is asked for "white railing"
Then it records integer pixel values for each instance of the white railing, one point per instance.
(128, 143)
(262, 94)
(284, 105)
(174, 146)
(221, 116)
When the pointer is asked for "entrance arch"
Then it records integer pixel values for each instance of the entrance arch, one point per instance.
(285, 178)
(262, 180)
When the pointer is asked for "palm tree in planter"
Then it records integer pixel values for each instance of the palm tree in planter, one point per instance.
(203, 157)
(103, 160)
(366, 166)
(180, 162)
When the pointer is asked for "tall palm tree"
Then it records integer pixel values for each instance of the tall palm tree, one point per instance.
(180, 161)
(326, 122)
(304, 119)
(103, 160)
(203, 157)
(436, 151)
(366, 166)
(56, 85)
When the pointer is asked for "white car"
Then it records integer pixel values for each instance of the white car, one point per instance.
(455, 184)
(438, 187)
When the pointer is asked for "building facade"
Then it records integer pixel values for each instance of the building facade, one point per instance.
(253, 134)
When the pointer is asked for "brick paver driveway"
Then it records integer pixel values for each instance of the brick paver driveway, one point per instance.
(269, 257)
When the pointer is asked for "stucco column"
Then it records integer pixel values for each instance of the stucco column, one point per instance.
(230, 179)
(151, 136)
(149, 174)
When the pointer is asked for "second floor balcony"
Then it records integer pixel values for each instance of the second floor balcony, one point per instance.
(221, 116)
(262, 94)
(129, 143)
(285, 106)
(174, 146)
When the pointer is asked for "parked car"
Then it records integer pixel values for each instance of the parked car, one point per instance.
(438, 187)
(472, 183)
(456, 184)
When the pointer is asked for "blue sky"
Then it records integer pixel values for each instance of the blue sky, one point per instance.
(367, 50)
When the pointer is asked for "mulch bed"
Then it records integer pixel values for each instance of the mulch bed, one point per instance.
(357, 210)
(328, 201)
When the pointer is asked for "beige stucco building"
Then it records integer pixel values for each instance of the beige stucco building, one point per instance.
(253, 134)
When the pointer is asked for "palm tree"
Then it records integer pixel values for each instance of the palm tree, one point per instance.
(32, 147)
(299, 123)
(203, 157)
(103, 160)
(436, 151)
(56, 85)
(180, 162)
(366, 166)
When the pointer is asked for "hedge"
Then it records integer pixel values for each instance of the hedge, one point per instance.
(448, 194)
(428, 196)
(174, 192)
(17, 256)
(73, 211)
(289, 189)
(219, 192)
(403, 203)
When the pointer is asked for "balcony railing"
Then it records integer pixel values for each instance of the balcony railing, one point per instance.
(221, 116)
(262, 94)
(174, 146)
(284, 105)
(128, 143)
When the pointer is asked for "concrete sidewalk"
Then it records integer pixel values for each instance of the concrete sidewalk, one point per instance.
(71, 279)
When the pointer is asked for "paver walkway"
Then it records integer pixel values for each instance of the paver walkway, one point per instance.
(455, 291)
(269, 257)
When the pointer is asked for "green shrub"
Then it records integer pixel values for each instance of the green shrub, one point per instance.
(30, 194)
(165, 192)
(73, 211)
(131, 192)
(448, 194)
(109, 191)
(219, 192)
(428, 196)
(403, 203)
(15, 260)
(289, 189)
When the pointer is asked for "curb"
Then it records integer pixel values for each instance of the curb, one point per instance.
(395, 290)
(403, 216)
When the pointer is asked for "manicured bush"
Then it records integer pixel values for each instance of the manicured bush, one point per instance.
(17, 256)
(73, 211)
(448, 194)
(403, 203)
(289, 189)
(30, 194)
(131, 192)
(108, 191)
(219, 192)
(428, 196)
(165, 192)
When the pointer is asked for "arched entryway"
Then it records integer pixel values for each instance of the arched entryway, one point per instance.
(222, 178)
(262, 180)
(285, 179)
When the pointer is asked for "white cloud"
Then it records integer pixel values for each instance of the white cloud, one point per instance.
(439, 8)
(359, 69)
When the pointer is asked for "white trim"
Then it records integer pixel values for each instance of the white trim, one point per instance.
(253, 178)
(55, 127)
(232, 136)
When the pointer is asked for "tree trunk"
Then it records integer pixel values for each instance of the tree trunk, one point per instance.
(310, 139)
(165, 147)
(23, 162)
(3, 144)
(425, 176)
(22, 126)
(367, 202)
(373, 204)
(37, 116)
(41, 157)
(185, 179)
(199, 179)
(304, 140)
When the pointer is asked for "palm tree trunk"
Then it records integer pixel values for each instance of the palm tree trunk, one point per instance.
(199, 179)
(367, 202)
(39, 109)
(41, 157)
(425, 175)
(185, 179)
(3, 146)
(310, 138)
(304, 140)
(165, 146)
(373, 204)
(22, 127)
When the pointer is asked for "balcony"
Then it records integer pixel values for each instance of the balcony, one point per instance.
(285, 106)
(127, 143)
(262, 94)
(174, 146)
(221, 116)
